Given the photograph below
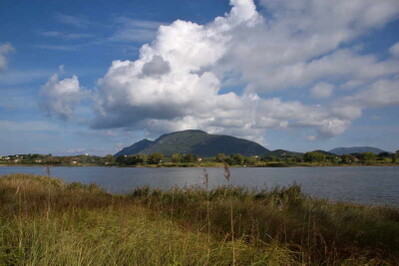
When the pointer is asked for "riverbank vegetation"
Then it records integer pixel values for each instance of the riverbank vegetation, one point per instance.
(278, 158)
(44, 221)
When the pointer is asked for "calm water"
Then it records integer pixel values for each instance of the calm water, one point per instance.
(369, 185)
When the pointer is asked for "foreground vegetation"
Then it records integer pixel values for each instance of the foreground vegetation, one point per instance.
(44, 221)
(277, 158)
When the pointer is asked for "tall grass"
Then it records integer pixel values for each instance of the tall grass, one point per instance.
(227, 175)
(317, 230)
(208, 220)
(44, 221)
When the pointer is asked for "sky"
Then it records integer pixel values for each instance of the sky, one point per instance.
(95, 76)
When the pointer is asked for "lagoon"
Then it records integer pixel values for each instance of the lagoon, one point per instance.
(365, 185)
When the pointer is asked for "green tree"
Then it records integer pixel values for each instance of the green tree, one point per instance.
(271, 158)
(131, 160)
(382, 156)
(251, 160)
(155, 158)
(109, 159)
(347, 159)
(237, 158)
(176, 158)
(334, 159)
(314, 156)
(135, 159)
(229, 160)
(188, 158)
(143, 158)
(368, 157)
(220, 157)
(121, 160)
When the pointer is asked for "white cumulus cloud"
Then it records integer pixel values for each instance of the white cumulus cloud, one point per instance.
(176, 82)
(181, 79)
(60, 97)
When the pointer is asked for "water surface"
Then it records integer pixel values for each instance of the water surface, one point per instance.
(367, 185)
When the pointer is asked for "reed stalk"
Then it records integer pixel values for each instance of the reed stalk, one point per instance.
(208, 220)
(227, 175)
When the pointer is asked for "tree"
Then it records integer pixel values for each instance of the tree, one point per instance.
(368, 157)
(251, 160)
(109, 159)
(121, 160)
(334, 159)
(347, 159)
(188, 158)
(271, 158)
(229, 160)
(314, 156)
(298, 159)
(142, 157)
(176, 158)
(132, 160)
(220, 157)
(137, 159)
(384, 154)
(155, 158)
(237, 158)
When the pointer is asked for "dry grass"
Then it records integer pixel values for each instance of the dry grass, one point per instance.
(44, 221)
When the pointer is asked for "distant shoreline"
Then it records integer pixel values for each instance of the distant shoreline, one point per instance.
(204, 166)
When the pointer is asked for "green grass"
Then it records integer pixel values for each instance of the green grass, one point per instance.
(44, 221)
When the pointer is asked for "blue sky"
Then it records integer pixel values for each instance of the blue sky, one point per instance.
(94, 76)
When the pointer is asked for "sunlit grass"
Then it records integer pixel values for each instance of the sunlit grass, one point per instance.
(44, 221)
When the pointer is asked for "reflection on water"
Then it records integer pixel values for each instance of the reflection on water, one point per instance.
(370, 185)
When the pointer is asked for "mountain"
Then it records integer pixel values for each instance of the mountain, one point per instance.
(349, 150)
(135, 148)
(196, 142)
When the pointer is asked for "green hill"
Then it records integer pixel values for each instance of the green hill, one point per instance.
(135, 148)
(195, 142)
(349, 150)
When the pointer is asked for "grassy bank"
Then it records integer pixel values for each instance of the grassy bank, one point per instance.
(44, 221)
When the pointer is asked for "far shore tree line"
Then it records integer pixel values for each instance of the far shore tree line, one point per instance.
(187, 160)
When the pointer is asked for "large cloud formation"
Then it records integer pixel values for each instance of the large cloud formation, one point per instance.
(183, 78)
